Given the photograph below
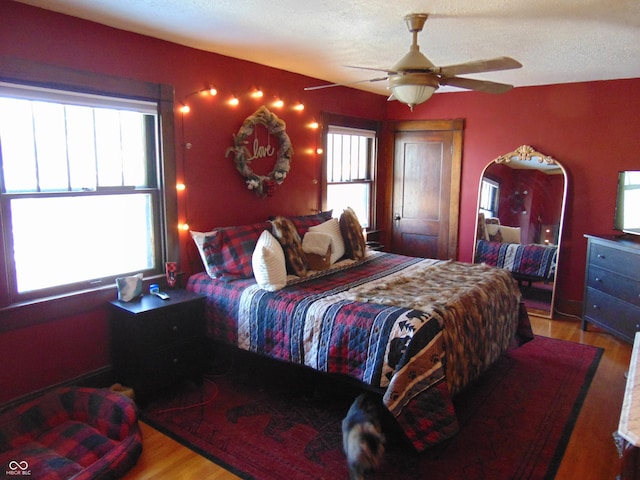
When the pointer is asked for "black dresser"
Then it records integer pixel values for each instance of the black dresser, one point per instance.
(612, 285)
(156, 342)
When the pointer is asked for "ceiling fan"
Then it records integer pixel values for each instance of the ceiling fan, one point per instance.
(414, 78)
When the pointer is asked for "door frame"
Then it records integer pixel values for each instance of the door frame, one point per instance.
(385, 200)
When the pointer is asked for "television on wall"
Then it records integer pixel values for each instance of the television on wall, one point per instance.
(627, 217)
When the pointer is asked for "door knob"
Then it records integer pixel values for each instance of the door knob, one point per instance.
(397, 217)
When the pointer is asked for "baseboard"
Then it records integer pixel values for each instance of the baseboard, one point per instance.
(99, 378)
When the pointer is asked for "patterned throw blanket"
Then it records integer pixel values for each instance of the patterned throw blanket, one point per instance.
(419, 329)
(537, 261)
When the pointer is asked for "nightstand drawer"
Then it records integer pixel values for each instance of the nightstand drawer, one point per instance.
(175, 362)
(612, 259)
(614, 284)
(612, 313)
(170, 325)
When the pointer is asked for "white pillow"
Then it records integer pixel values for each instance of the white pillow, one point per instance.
(198, 239)
(332, 227)
(510, 234)
(269, 267)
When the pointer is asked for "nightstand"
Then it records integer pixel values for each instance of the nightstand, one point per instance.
(155, 342)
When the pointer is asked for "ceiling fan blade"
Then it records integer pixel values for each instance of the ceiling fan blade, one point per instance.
(479, 66)
(477, 85)
(346, 84)
(371, 68)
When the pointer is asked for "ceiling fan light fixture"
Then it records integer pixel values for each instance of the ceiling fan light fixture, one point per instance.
(414, 78)
(414, 59)
(412, 89)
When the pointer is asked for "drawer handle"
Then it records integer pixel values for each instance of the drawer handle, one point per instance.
(601, 256)
(596, 307)
(598, 279)
(175, 361)
(174, 328)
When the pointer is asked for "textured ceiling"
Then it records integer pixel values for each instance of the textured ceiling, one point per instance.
(557, 41)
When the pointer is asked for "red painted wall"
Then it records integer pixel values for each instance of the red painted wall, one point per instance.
(590, 127)
(216, 195)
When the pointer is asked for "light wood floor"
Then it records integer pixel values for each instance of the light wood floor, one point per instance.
(590, 455)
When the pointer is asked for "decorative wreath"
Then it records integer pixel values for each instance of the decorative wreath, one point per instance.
(262, 185)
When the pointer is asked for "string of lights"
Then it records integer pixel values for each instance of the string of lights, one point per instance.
(232, 101)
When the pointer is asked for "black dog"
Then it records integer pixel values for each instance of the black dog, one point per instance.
(362, 437)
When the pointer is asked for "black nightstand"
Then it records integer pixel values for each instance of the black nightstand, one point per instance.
(156, 342)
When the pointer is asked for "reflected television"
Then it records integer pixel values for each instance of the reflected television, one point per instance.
(627, 217)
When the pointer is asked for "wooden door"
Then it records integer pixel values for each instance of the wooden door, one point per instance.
(426, 188)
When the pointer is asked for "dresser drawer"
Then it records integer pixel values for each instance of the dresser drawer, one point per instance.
(614, 284)
(619, 316)
(619, 261)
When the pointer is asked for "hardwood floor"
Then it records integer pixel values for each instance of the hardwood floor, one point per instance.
(590, 455)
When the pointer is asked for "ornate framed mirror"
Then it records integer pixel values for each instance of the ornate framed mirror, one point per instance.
(521, 205)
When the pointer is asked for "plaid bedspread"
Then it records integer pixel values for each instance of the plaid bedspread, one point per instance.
(531, 260)
(386, 321)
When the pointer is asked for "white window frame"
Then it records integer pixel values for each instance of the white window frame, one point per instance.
(350, 160)
(47, 247)
(19, 312)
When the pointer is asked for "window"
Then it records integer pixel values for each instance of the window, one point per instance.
(630, 196)
(82, 200)
(350, 165)
(489, 196)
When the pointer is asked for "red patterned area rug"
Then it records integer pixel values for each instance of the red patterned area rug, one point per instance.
(269, 421)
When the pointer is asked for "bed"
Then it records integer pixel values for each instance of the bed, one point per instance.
(532, 262)
(416, 330)
(500, 246)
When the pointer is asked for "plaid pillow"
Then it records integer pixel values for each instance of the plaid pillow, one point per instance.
(303, 222)
(228, 250)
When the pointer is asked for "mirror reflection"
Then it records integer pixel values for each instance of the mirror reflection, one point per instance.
(520, 213)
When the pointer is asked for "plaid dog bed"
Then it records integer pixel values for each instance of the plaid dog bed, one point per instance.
(71, 433)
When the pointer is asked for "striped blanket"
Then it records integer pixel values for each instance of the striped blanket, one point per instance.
(535, 261)
(418, 329)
